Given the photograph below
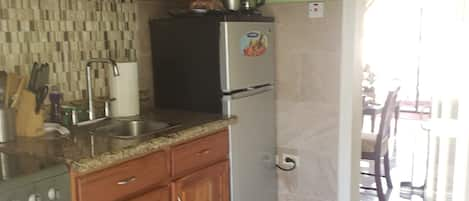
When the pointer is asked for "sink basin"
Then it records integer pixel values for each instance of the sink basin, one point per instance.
(133, 129)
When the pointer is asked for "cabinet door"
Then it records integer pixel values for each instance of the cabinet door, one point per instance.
(209, 184)
(161, 194)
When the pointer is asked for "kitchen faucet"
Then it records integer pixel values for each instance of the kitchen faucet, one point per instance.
(89, 87)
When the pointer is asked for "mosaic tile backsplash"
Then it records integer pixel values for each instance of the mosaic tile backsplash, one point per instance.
(65, 34)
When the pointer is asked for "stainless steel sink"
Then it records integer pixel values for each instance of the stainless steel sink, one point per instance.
(133, 129)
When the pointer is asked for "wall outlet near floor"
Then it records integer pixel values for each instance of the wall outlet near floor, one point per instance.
(294, 157)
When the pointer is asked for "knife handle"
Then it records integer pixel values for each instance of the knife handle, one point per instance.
(41, 95)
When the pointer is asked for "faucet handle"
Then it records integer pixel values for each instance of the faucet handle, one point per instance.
(107, 106)
(75, 118)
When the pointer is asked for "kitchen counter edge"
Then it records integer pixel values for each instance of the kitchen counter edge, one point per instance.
(88, 165)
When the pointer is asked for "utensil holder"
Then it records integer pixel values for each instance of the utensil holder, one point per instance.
(7, 125)
(28, 122)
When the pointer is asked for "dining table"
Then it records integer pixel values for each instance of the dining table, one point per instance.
(374, 109)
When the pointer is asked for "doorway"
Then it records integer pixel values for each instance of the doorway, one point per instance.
(393, 43)
(424, 44)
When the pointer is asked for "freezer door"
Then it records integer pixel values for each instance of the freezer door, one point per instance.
(252, 146)
(246, 54)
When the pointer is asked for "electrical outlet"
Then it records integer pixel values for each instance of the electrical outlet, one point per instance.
(294, 157)
(316, 9)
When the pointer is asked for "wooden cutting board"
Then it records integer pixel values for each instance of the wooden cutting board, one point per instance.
(28, 123)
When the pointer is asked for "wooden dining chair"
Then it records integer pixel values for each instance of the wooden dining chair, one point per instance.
(375, 146)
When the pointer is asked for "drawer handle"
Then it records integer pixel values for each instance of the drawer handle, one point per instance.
(203, 152)
(179, 198)
(127, 181)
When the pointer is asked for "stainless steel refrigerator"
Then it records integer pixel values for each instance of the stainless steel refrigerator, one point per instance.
(224, 64)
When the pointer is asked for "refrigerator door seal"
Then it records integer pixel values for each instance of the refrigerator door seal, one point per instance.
(247, 92)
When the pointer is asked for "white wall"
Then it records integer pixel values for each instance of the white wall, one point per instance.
(318, 83)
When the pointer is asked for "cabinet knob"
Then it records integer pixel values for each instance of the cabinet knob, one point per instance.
(34, 197)
(203, 152)
(53, 194)
(127, 181)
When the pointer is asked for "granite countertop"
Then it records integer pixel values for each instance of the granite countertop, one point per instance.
(85, 152)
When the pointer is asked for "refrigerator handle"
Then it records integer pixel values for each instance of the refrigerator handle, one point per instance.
(249, 92)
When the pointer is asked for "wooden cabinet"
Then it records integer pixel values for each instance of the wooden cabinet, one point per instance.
(162, 194)
(196, 170)
(125, 179)
(209, 184)
(199, 154)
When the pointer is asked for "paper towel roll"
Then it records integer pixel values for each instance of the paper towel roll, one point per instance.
(124, 89)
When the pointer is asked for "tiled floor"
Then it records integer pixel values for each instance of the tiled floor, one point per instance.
(408, 160)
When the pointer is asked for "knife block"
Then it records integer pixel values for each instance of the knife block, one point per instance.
(28, 123)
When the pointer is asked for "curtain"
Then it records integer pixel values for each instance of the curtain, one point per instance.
(445, 56)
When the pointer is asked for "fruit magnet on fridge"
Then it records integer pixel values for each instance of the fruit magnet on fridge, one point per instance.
(253, 44)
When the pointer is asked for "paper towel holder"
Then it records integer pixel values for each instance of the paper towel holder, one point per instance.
(125, 89)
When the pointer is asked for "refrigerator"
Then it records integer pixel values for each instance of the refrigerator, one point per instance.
(224, 64)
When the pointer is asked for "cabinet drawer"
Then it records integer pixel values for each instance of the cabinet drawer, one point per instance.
(125, 179)
(199, 153)
(155, 195)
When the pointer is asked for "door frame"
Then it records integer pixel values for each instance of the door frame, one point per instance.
(350, 101)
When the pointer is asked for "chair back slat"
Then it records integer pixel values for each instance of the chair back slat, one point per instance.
(386, 117)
